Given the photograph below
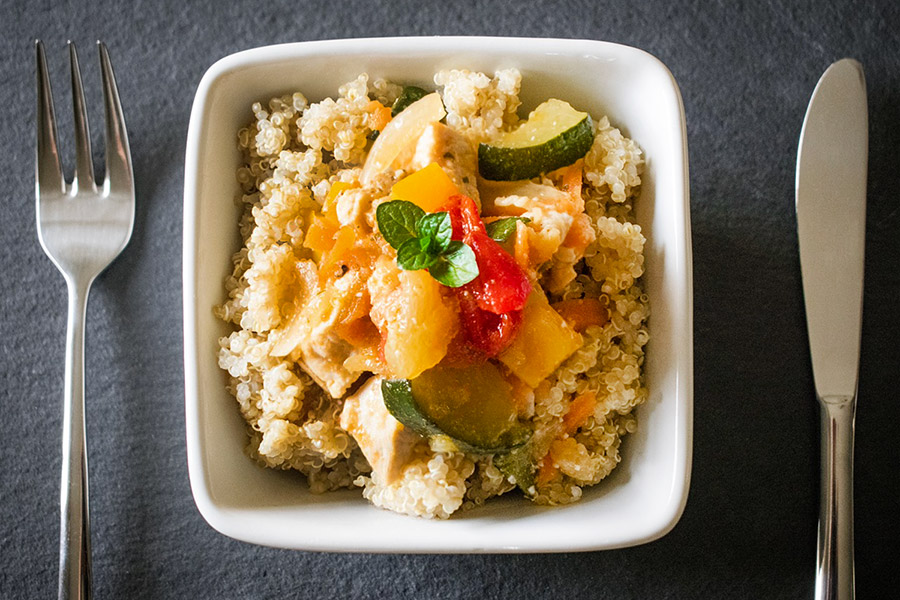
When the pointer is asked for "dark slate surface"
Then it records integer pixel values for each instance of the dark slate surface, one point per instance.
(746, 70)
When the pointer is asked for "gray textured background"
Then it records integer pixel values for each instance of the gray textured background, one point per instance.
(746, 70)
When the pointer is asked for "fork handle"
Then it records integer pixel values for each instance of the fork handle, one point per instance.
(834, 559)
(74, 531)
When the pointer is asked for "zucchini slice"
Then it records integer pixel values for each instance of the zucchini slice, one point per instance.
(517, 464)
(408, 95)
(400, 402)
(555, 135)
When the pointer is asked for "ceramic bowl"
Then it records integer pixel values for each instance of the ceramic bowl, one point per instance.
(643, 498)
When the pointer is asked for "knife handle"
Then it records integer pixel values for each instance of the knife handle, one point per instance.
(834, 559)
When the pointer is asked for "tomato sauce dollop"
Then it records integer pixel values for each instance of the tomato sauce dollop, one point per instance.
(490, 305)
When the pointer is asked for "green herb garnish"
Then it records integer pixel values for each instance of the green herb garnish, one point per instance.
(437, 230)
(411, 256)
(501, 229)
(397, 221)
(422, 241)
(456, 266)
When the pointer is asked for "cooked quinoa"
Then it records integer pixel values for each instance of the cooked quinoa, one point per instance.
(294, 154)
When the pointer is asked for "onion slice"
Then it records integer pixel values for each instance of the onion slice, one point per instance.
(400, 133)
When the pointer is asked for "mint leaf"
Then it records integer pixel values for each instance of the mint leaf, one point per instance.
(397, 221)
(411, 256)
(501, 229)
(423, 241)
(435, 228)
(456, 266)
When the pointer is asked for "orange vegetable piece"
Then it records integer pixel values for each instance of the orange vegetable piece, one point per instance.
(344, 240)
(379, 115)
(581, 234)
(320, 236)
(357, 312)
(582, 313)
(580, 409)
(521, 247)
(571, 178)
(546, 471)
(336, 188)
(429, 188)
(416, 321)
(359, 332)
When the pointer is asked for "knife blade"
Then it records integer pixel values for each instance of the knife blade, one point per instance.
(831, 221)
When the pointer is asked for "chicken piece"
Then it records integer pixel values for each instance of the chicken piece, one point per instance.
(455, 155)
(513, 198)
(547, 229)
(351, 207)
(553, 214)
(562, 271)
(322, 354)
(384, 441)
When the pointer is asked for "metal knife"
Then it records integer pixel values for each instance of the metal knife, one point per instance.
(831, 226)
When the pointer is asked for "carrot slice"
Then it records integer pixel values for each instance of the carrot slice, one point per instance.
(521, 247)
(360, 332)
(546, 471)
(582, 313)
(571, 178)
(580, 409)
(320, 235)
(580, 235)
(379, 115)
(344, 240)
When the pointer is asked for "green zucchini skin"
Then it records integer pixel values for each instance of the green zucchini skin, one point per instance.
(511, 164)
(400, 402)
(517, 464)
(408, 95)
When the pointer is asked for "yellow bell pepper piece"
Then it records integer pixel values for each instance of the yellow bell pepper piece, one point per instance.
(429, 188)
(543, 342)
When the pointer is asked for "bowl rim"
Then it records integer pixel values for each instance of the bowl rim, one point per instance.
(227, 520)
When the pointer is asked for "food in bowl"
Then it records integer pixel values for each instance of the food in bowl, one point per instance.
(436, 300)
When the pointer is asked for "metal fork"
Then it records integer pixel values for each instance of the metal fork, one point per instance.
(82, 227)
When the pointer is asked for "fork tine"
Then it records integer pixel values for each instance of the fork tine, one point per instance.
(48, 173)
(84, 165)
(118, 154)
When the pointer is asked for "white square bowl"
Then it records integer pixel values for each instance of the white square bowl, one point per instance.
(643, 498)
